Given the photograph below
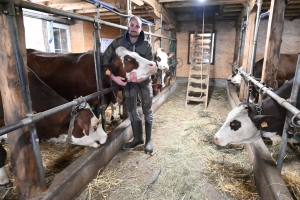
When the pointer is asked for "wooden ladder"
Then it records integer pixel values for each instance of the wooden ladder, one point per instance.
(198, 82)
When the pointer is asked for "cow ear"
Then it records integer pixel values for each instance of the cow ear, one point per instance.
(80, 130)
(171, 54)
(263, 121)
(109, 67)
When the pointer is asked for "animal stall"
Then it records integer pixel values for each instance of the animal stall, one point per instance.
(77, 175)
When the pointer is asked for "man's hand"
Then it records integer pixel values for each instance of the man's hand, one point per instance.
(118, 79)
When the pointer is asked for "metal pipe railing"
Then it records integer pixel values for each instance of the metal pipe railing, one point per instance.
(259, 4)
(39, 116)
(41, 8)
(284, 103)
(293, 99)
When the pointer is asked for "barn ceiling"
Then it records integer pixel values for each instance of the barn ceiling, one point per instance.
(173, 12)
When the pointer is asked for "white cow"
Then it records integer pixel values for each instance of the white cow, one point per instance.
(245, 123)
(161, 58)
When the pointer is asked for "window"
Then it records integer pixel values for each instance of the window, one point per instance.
(201, 46)
(60, 38)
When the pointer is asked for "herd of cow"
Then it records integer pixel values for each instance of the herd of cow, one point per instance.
(55, 79)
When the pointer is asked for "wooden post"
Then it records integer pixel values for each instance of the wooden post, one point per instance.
(273, 42)
(124, 21)
(249, 37)
(124, 5)
(23, 160)
(155, 30)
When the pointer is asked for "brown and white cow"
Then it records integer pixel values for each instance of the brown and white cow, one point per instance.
(161, 59)
(86, 128)
(73, 75)
(4, 180)
(243, 123)
(286, 70)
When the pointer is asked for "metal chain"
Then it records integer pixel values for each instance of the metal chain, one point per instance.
(258, 107)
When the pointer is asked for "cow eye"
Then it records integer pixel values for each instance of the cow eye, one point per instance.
(235, 125)
(126, 59)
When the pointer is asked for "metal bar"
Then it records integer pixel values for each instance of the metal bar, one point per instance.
(41, 8)
(284, 103)
(21, 71)
(39, 116)
(259, 3)
(98, 74)
(48, 18)
(240, 42)
(293, 98)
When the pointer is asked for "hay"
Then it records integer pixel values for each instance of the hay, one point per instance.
(55, 157)
(186, 165)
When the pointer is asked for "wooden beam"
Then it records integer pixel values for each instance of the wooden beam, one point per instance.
(23, 161)
(273, 42)
(216, 1)
(138, 2)
(158, 8)
(73, 6)
(204, 3)
(249, 38)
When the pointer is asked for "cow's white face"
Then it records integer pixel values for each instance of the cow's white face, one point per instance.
(161, 59)
(135, 66)
(237, 79)
(238, 128)
(95, 133)
(3, 176)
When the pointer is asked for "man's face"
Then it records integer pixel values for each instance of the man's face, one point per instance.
(134, 27)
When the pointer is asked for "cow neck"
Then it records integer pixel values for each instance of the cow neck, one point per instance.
(257, 109)
(74, 113)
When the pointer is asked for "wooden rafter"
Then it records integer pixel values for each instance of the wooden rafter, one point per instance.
(202, 3)
(158, 8)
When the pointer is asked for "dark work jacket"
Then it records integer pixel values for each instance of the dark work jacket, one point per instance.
(142, 47)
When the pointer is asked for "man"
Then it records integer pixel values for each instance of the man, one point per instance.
(134, 40)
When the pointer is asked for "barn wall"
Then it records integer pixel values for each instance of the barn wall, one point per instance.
(82, 32)
(76, 37)
(224, 45)
(290, 38)
(224, 49)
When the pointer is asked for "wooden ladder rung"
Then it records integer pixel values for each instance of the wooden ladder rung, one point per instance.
(196, 99)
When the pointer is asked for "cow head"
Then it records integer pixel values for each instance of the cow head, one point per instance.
(235, 79)
(132, 66)
(161, 58)
(87, 130)
(156, 88)
(242, 126)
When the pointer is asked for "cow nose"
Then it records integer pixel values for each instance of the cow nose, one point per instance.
(216, 140)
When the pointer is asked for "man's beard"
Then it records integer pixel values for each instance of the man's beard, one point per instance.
(131, 35)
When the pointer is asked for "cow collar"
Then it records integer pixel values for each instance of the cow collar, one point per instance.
(257, 109)
(74, 113)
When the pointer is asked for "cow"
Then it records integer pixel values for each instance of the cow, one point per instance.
(286, 70)
(244, 123)
(161, 59)
(4, 180)
(85, 130)
(72, 75)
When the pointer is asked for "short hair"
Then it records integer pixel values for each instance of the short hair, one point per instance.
(136, 17)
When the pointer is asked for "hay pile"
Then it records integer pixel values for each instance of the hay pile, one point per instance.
(186, 163)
